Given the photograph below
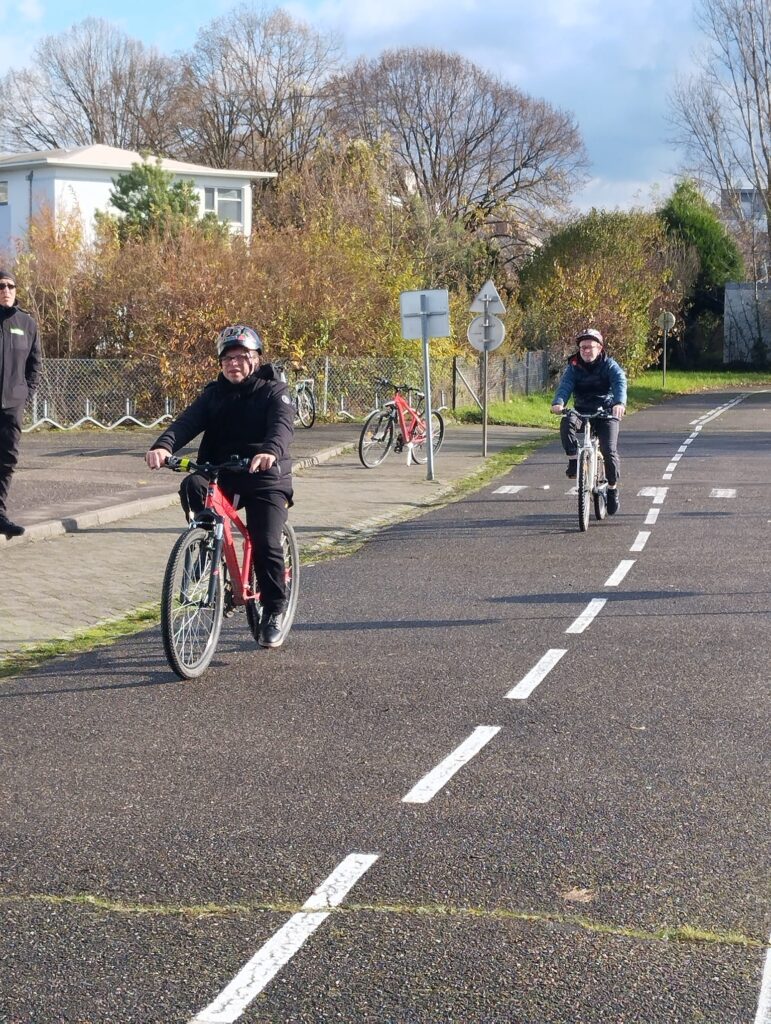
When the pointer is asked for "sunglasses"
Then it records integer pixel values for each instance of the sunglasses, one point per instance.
(235, 358)
(4, 285)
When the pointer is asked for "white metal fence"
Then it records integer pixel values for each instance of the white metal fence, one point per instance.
(113, 392)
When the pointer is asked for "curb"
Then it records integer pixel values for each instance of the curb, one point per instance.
(138, 507)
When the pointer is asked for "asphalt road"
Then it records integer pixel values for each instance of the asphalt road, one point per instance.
(602, 857)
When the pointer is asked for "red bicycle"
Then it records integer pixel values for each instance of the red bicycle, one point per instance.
(397, 425)
(206, 580)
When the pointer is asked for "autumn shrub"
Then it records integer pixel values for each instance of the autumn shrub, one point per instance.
(614, 271)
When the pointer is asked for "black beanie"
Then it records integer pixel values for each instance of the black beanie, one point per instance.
(6, 275)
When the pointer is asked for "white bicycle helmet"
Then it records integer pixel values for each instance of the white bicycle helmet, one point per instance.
(238, 334)
(590, 332)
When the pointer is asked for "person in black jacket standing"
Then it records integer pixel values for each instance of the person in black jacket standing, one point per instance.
(20, 362)
(247, 411)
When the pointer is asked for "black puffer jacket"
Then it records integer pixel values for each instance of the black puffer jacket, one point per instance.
(243, 419)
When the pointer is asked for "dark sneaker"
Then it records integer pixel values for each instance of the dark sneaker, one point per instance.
(613, 500)
(572, 469)
(270, 630)
(10, 529)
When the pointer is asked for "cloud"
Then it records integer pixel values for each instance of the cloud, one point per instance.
(30, 10)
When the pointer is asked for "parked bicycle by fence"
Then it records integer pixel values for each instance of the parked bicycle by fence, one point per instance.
(591, 483)
(398, 425)
(302, 396)
(206, 581)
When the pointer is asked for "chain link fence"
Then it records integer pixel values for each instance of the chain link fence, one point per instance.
(112, 392)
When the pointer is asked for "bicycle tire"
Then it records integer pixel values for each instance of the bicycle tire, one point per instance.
(420, 448)
(190, 627)
(377, 437)
(583, 489)
(600, 490)
(292, 570)
(306, 408)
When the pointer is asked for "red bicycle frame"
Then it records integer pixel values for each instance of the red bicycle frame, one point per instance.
(410, 427)
(225, 511)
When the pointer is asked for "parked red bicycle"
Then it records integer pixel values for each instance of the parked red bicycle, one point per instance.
(206, 580)
(398, 425)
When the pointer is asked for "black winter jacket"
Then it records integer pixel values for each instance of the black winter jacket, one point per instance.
(20, 357)
(243, 419)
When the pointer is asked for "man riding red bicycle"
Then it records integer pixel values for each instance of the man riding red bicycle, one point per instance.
(246, 412)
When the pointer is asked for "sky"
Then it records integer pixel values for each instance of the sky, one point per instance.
(610, 63)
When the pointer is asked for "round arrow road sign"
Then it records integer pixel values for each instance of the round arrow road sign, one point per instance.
(486, 339)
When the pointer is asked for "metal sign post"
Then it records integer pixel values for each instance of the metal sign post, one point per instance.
(666, 322)
(426, 315)
(485, 334)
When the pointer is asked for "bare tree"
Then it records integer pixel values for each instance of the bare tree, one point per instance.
(722, 114)
(91, 84)
(255, 90)
(468, 143)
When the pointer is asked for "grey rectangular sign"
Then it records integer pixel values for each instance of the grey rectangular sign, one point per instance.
(432, 306)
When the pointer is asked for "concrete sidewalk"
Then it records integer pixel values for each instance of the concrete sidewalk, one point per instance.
(111, 559)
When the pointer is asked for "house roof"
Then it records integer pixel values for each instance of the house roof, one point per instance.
(110, 158)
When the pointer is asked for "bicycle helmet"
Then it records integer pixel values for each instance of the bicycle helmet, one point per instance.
(590, 332)
(238, 334)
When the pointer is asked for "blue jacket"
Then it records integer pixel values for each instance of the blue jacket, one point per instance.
(594, 386)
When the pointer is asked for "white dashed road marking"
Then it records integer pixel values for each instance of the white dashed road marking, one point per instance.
(722, 492)
(587, 616)
(270, 958)
(510, 489)
(657, 493)
(536, 675)
(763, 1016)
(640, 541)
(619, 572)
(653, 514)
(430, 784)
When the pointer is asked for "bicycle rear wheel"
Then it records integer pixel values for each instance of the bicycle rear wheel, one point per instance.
(584, 489)
(420, 445)
(292, 577)
(190, 624)
(377, 437)
(306, 408)
(600, 490)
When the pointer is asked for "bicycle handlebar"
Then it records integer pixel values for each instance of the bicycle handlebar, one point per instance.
(398, 387)
(601, 414)
(184, 464)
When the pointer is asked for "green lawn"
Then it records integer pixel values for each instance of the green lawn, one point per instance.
(533, 410)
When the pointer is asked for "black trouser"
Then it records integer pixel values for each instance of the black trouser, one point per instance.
(607, 434)
(10, 435)
(266, 513)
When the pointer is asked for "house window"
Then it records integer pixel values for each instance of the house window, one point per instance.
(3, 193)
(227, 203)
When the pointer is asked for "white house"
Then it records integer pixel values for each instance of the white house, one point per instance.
(80, 180)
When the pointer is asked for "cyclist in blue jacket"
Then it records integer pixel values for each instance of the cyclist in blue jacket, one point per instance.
(596, 382)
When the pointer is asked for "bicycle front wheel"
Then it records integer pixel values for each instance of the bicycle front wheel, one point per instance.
(306, 408)
(420, 444)
(190, 623)
(584, 488)
(600, 490)
(377, 438)
(292, 581)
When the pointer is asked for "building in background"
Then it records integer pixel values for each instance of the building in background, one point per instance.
(80, 181)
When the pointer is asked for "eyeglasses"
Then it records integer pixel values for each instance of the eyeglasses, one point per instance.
(235, 358)
(4, 285)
